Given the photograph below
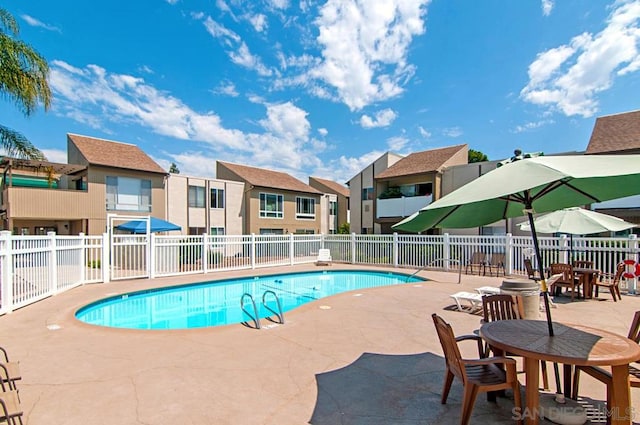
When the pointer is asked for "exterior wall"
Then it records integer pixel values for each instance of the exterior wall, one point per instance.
(288, 223)
(178, 211)
(96, 213)
(363, 211)
(343, 204)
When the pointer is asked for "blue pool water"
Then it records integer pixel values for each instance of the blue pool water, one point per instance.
(218, 303)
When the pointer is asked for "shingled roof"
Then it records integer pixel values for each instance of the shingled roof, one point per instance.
(114, 154)
(335, 187)
(262, 177)
(422, 162)
(615, 133)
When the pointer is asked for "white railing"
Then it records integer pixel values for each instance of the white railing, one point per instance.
(36, 267)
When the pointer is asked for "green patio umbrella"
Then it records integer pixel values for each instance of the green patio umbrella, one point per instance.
(524, 186)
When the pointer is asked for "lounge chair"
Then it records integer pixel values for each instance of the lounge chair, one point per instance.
(473, 299)
(478, 260)
(324, 257)
(496, 264)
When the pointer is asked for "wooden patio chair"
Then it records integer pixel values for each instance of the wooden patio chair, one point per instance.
(10, 409)
(9, 371)
(612, 282)
(479, 260)
(531, 272)
(585, 264)
(497, 263)
(507, 307)
(568, 279)
(604, 375)
(477, 375)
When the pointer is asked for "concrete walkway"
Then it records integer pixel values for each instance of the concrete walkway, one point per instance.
(370, 357)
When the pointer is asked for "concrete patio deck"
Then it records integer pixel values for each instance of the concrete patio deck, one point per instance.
(77, 374)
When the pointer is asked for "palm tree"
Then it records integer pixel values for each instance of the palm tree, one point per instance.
(23, 80)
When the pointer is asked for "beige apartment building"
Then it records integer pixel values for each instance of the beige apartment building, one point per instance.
(335, 204)
(274, 202)
(102, 177)
(205, 205)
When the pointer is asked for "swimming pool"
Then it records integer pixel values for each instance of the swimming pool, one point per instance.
(218, 302)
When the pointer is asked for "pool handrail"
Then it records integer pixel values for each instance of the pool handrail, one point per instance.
(255, 318)
(279, 314)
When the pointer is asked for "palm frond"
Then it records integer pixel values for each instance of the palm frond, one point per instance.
(17, 146)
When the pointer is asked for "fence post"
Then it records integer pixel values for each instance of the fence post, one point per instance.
(509, 255)
(152, 255)
(353, 248)
(633, 252)
(105, 262)
(291, 248)
(205, 252)
(446, 252)
(53, 262)
(83, 258)
(253, 250)
(322, 240)
(7, 272)
(564, 247)
(395, 249)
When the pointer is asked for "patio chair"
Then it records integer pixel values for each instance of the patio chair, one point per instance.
(9, 371)
(507, 307)
(477, 375)
(324, 257)
(496, 263)
(568, 279)
(10, 410)
(585, 264)
(531, 272)
(603, 375)
(612, 282)
(479, 260)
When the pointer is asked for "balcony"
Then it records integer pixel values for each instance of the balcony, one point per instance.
(401, 207)
(29, 202)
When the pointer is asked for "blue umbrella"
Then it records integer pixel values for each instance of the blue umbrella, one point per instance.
(140, 226)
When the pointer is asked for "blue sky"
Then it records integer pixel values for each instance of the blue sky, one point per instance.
(324, 88)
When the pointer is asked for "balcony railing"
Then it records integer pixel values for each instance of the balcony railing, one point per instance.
(401, 207)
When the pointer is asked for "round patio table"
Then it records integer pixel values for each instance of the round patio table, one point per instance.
(571, 345)
(587, 277)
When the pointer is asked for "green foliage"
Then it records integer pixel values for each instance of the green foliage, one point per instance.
(94, 264)
(344, 229)
(174, 168)
(391, 192)
(476, 156)
(23, 80)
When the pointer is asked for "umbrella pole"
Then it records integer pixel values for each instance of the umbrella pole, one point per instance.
(545, 293)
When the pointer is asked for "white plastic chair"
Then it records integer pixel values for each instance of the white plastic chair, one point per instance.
(324, 257)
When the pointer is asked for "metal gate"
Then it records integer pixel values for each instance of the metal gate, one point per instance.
(129, 253)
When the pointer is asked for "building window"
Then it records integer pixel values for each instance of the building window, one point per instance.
(367, 194)
(271, 232)
(271, 205)
(217, 231)
(419, 189)
(196, 196)
(196, 230)
(333, 208)
(128, 194)
(305, 208)
(217, 198)
(304, 232)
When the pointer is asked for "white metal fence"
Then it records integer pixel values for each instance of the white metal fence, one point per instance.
(35, 267)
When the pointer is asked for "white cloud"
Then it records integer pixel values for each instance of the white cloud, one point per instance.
(424, 133)
(547, 6)
(323, 131)
(344, 168)
(259, 22)
(145, 69)
(239, 51)
(172, 1)
(279, 4)
(227, 88)
(93, 92)
(452, 132)
(397, 143)
(55, 155)
(30, 20)
(569, 77)
(531, 126)
(381, 118)
(365, 46)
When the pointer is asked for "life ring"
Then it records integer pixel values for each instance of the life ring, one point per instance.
(632, 269)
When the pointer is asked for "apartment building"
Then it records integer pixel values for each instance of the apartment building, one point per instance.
(205, 205)
(102, 177)
(336, 198)
(274, 202)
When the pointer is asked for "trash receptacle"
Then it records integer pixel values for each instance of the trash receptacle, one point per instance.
(529, 290)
